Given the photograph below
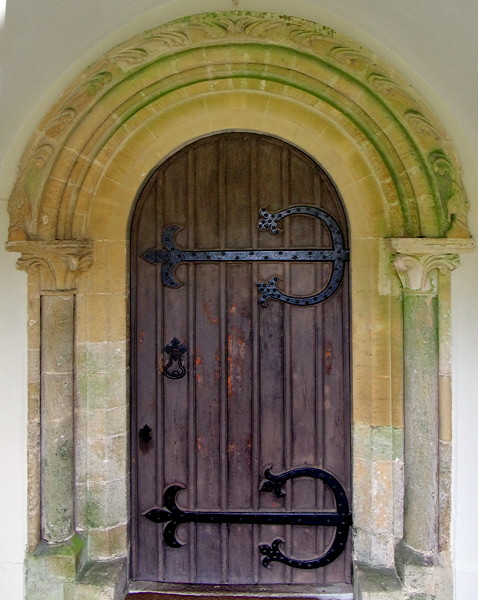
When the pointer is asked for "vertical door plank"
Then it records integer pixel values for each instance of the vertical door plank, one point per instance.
(208, 419)
(271, 357)
(238, 459)
(174, 310)
(143, 345)
(208, 360)
(303, 380)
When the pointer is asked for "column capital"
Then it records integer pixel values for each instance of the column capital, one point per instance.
(59, 261)
(417, 259)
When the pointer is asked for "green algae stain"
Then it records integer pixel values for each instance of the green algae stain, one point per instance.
(93, 514)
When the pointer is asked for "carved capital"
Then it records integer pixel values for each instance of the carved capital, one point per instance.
(417, 260)
(416, 272)
(59, 262)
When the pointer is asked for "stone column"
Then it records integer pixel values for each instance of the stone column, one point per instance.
(58, 263)
(417, 262)
(57, 448)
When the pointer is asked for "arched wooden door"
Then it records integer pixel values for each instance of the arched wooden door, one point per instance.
(225, 387)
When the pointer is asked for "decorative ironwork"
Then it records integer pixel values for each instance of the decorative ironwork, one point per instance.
(174, 516)
(175, 369)
(269, 291)
(341, 520)
(338, 254)
(170, 256)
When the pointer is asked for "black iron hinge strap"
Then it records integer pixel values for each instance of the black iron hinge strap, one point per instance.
(170, 256)
(174, 516)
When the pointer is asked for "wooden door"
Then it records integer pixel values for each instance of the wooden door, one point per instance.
(223, 387)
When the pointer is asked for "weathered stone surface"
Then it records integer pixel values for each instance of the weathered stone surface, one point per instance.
(418, 263)
(417, 570)
(57, 461)
(104, 544)
(445, 470)
(57, 573)
(102, 581)
(114, 92)
(56, 262)
(421, 422)
(376, 584)
(102, 357)
(52, 570)
(378, 483)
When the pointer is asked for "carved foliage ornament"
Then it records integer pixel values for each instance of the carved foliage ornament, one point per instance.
(417, 260)
(419, 137)
(416, 272)
(58, 262)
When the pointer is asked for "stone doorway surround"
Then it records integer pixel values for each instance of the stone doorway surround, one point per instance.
(69, 214)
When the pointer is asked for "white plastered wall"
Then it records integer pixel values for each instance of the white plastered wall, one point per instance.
(13, 417)
(45, 43)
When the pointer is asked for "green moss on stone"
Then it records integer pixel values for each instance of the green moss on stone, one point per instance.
(317, 89)
(93, 514)
(71, 547)
(377, 443)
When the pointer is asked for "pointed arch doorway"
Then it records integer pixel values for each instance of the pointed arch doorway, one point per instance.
(224, 388)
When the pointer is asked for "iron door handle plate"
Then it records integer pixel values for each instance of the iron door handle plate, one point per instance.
(174, 369)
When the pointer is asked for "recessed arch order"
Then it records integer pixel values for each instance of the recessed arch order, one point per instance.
(198, 75)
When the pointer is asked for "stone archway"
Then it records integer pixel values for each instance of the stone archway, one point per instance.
(69, 216)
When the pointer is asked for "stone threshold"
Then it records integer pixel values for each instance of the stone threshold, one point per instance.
(146, 590)
(369, 584)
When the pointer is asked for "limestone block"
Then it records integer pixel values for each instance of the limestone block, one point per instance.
(52, 569)
(102, 581)
(106, 544)
(376, 584)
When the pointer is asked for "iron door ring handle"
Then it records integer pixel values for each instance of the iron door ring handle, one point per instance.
(175, 368)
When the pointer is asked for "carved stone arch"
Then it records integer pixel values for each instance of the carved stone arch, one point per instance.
(69, 217)
(268, 56)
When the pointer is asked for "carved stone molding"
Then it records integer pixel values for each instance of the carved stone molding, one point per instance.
(418, 154)
(415, 272)
(59, 262)
(417, 260)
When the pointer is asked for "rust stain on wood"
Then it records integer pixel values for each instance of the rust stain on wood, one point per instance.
(208, 312)
(328, 358)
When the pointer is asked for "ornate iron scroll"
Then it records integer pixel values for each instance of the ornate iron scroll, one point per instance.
(174, 516)
(170, 256)
(341, 520)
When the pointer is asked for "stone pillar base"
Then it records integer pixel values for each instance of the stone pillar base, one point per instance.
(376, 584)
(424, 577)
(59, 572)
(100, 580)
